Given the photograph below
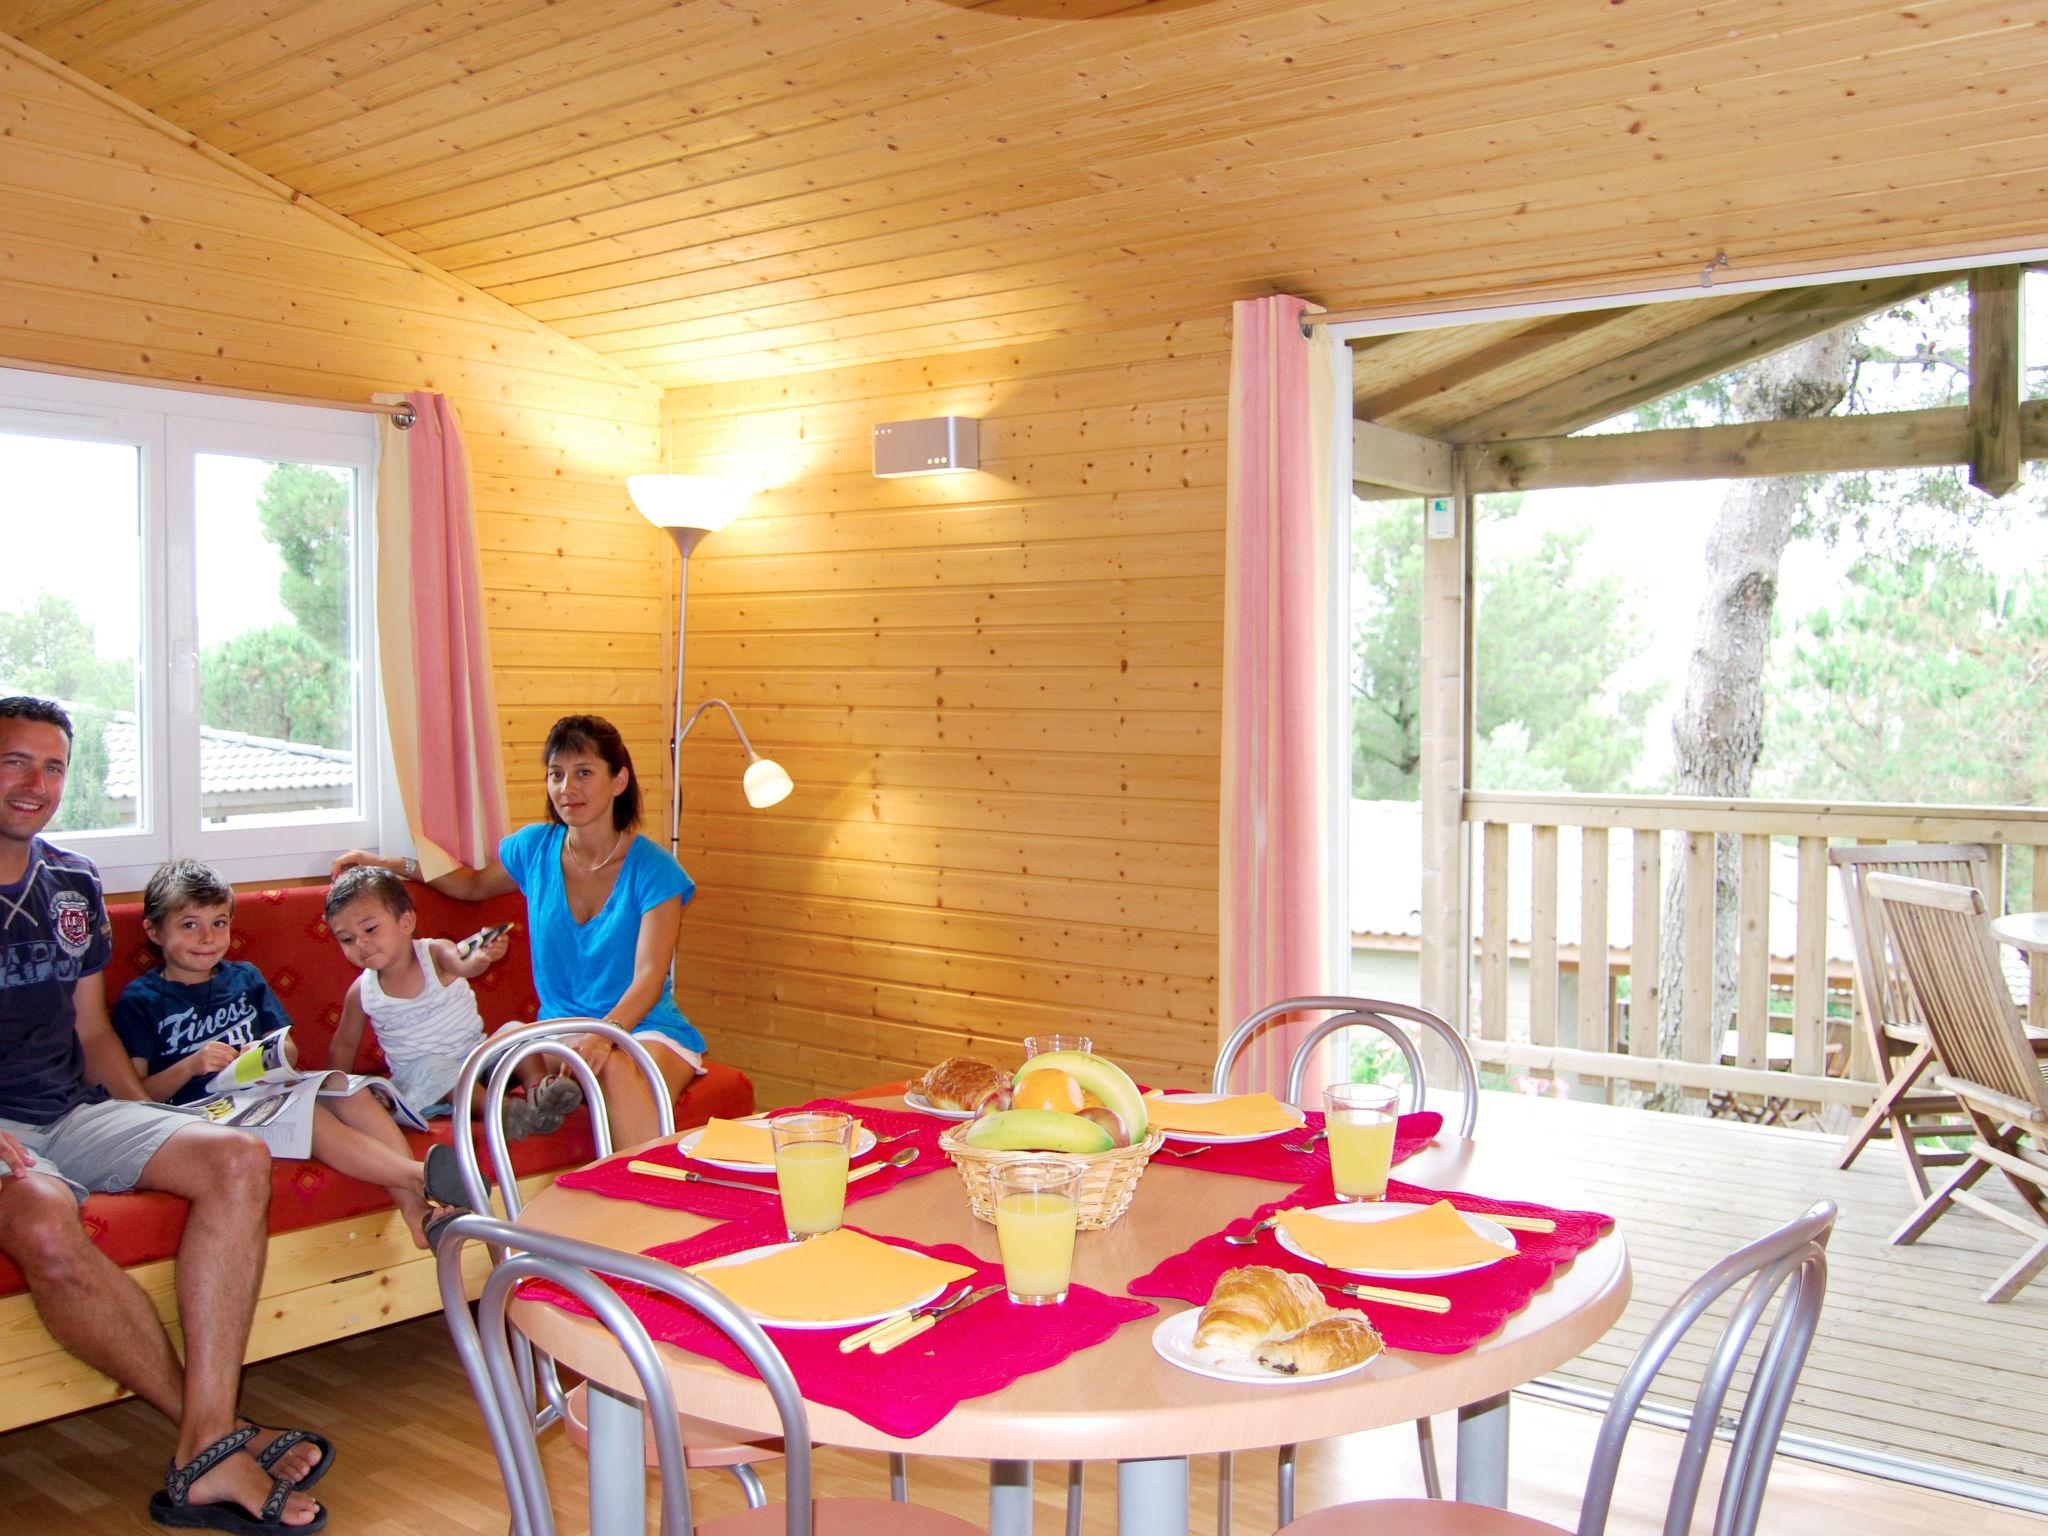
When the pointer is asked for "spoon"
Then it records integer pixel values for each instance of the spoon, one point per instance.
(1248, 1239)
(1194, 1151)
(902, 1157)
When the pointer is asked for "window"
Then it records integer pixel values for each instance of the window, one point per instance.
(190, 575)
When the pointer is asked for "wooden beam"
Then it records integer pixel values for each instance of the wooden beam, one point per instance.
(1995, 379)
(1384, 458)
(1446, 949)
(1816, 446)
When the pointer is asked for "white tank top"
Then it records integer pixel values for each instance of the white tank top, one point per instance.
(442, 1021)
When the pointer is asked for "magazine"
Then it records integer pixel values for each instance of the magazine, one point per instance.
(264, 1092)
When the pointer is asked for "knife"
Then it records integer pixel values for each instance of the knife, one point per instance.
(691, 1176)
(903, 1331)
(854, 1341)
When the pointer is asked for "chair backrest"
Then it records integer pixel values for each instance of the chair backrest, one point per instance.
(1887, 999)
(1789, 1265)
(1943, 940)
(486, 1343)
(500, 1056)
(1349, 1013)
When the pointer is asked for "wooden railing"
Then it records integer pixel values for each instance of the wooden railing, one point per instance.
(1687, 830)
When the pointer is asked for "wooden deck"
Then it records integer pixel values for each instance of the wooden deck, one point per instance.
(1908, 1362)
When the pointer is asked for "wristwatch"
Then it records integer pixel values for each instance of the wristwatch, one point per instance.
(409, 868)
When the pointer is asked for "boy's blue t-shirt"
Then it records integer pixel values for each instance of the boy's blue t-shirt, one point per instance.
(581, 970)
(162, 1021)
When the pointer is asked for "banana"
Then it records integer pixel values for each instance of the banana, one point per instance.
(1036, 1130)
(1103, 1078)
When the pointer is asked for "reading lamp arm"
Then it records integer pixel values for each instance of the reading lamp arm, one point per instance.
(738, 729)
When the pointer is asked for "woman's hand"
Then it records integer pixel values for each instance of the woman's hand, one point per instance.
(405, 869)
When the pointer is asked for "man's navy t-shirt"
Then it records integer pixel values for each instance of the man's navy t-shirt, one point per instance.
(53, 931)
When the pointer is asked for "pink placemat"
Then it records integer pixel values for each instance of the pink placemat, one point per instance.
(1270, 1159)
(615, 1181)
(1481, 1299)
(906, 1391)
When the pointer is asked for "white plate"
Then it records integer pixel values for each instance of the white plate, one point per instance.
(1174, 1339)
(1300, 1120)
(917, 1101)
(1385, 1210)
(767, 1320)
(863, 1143)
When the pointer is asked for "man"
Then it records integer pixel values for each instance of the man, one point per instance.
(73, 1118)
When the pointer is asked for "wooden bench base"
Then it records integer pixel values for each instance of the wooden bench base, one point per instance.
(319, 1283)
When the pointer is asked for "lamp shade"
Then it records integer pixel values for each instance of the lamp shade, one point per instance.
(687, 501)
(766, 783)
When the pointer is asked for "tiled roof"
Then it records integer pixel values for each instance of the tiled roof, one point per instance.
(233, 763)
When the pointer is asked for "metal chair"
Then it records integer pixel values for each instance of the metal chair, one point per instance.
(486, 1343)
(1349, 1013)
(1790, 1266)
(704, 1444)
(1981, 1055)
(1911, 1111)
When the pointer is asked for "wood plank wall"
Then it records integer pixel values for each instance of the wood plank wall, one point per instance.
(125, 249)
(998, 694)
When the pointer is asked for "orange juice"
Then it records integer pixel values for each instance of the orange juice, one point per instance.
(1361, 1153)
(1035, 1230)
(811, 1176)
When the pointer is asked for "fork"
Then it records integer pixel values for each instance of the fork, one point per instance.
(1303, 1146)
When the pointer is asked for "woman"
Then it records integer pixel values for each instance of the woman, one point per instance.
(603, 906)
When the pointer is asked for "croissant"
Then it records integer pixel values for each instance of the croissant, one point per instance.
(960, 1082)
(1344, 1338)
(1257, 1303)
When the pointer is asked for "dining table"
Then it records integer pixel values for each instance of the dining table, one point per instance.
(1119, 1401)
(2027, 931)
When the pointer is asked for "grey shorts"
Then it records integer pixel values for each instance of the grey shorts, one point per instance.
(426, 1081)
(100, 1148)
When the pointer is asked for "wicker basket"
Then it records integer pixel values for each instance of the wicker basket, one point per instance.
(1106, 1188)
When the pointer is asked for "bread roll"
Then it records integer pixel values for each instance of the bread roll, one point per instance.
(1341, 1339)
(960, 1082)
(1257, 1303)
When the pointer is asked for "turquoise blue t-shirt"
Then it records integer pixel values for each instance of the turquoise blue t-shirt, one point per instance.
(581, 969)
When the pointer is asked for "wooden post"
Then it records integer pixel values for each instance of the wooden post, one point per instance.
(1543, 937)
(1596, 1020)
(1995, 379)
(1446, 943)
(1753, 986)
(1645, 964)
(1700, 1031)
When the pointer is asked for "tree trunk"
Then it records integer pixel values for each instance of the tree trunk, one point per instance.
(1718, 731)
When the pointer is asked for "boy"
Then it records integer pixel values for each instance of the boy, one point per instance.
(192, 1016)
(414, 993)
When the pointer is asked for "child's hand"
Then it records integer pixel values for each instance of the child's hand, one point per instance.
(17, 1157)
(498, 948)
(212, 1057)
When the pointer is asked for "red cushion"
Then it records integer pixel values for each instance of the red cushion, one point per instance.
(285, 936)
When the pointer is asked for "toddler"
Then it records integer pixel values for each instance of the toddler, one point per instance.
(414, 993)
(184, 1021)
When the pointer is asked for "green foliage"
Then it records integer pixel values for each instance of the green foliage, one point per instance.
(1923, 682)
(86, 807)
(304, 510)
(1550, 640)
(47, 649)
(280, 682)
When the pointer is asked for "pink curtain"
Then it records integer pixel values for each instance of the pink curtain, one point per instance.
(435, 655)
(1275, 844)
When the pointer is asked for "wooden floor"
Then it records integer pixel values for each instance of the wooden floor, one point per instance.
(1907, 1357)
(412, 1458)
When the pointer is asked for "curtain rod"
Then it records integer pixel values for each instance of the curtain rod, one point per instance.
(400, 411)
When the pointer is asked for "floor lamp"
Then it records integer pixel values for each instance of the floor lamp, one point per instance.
(688, 507)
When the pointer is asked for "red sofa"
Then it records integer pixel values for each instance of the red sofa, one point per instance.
(284, 934)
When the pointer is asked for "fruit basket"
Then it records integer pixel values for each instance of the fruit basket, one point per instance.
(1107, 1186)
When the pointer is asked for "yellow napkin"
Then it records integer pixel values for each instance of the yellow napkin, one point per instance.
(842, 1274)
(1433, 1238)
(1243, 1114)
(736, 1141)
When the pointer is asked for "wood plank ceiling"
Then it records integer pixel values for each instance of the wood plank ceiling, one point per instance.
(714, 189)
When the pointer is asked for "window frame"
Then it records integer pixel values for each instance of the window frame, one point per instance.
(171, 428)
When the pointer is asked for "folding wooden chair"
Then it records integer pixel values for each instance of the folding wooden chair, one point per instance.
(1982, 1056)
(1911, 1111)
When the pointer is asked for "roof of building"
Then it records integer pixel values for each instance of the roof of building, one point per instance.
(233, 762)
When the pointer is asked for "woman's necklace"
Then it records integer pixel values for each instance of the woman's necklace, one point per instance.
(591, 869)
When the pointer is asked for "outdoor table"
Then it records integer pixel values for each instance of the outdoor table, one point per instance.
(1118, 1401)
(2023, 930)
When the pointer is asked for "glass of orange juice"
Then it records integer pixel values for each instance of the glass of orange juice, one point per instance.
(1035, 1219)
(812, 1150)
(1045, 1045)
(1359, 1120)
